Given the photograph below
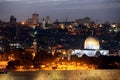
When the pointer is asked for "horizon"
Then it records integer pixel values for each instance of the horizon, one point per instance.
(99, 10)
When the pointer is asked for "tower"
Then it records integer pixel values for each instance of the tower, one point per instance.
(35, 18)
(48, 20)
(12, 20)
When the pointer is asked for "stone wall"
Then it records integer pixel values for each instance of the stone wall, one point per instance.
(63, 75)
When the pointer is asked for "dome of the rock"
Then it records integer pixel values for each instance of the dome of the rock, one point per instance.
(91, 43)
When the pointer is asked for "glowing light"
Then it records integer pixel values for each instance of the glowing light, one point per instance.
(33, 54)
(113, 25)
(11, 44)
(70, 26)
(110, 30)
(32, 66)
(53, 52)
(33, 27)
(62, 26)
(23, 23)
(116, 30)
(43, 66)
(100, 25)
(21, 67)
(35, 32)
(64, 52)
(3, 64)
(68, 66)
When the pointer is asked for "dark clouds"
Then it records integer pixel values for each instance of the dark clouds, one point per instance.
(101, 10)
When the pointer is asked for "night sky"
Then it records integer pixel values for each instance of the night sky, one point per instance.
(98, 10)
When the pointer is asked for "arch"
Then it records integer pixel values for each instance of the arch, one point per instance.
(97, 54)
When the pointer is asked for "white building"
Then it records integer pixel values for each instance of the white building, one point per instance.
(91, 48)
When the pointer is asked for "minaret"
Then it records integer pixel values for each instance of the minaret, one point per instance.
(34, 48)
(43, 24)
(35, 45)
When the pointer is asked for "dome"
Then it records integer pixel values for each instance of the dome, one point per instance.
(91, 43)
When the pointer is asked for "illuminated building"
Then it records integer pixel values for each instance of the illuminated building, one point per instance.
(33, 21)
(35, 18)
(14, 46)
(114, 28)
(91, 48)
(3, 64)
(91, 43)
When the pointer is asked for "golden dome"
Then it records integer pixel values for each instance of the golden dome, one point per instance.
(91, 43)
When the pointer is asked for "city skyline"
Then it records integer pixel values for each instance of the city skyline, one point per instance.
(98, 10)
